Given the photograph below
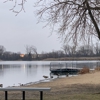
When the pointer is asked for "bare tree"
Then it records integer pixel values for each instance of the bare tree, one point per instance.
(31, 50)
(97, 49)
(76, 19)
(34, 50)
(28, 50)
(86, 50)
(2, 49)
(66, 49)
(17, 3)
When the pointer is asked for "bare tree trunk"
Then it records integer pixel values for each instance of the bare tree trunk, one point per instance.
(93, 20)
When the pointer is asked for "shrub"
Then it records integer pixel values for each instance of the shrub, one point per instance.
(84, 70)
(97, 68)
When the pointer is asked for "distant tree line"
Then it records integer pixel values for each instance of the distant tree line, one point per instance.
(66, 51)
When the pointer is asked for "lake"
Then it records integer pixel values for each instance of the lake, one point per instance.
(12, 73)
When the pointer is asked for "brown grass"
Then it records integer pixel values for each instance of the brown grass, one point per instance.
(68, 92)
(97, 68)
(71, 58)
(84, 70)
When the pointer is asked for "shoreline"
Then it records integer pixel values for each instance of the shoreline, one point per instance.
(89, 78)
(81, 87)
(63, 59)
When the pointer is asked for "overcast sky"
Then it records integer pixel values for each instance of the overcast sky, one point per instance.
(18, 31)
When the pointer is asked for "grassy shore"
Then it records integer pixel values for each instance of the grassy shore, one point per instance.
(81, 87)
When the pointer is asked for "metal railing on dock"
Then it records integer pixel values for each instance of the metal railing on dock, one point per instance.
(74, 64)
(23, 89)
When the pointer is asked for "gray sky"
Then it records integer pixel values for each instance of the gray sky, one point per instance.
(18, 31)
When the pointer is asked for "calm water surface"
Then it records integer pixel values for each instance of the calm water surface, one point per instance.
(16, 72)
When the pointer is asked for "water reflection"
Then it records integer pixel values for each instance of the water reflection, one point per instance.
(13, 73)
(31, 70)
(1, 70)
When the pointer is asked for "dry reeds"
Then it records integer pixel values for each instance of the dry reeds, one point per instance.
(97, 68)
(84, 70)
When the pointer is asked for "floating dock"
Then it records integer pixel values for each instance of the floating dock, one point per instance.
(63, 69)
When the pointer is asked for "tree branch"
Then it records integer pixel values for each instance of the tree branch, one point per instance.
(93, 20)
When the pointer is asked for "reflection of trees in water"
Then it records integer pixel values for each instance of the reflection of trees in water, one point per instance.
(8, 67)
(1, 70)
(45, 67)
(5, 66)
(31, 69)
